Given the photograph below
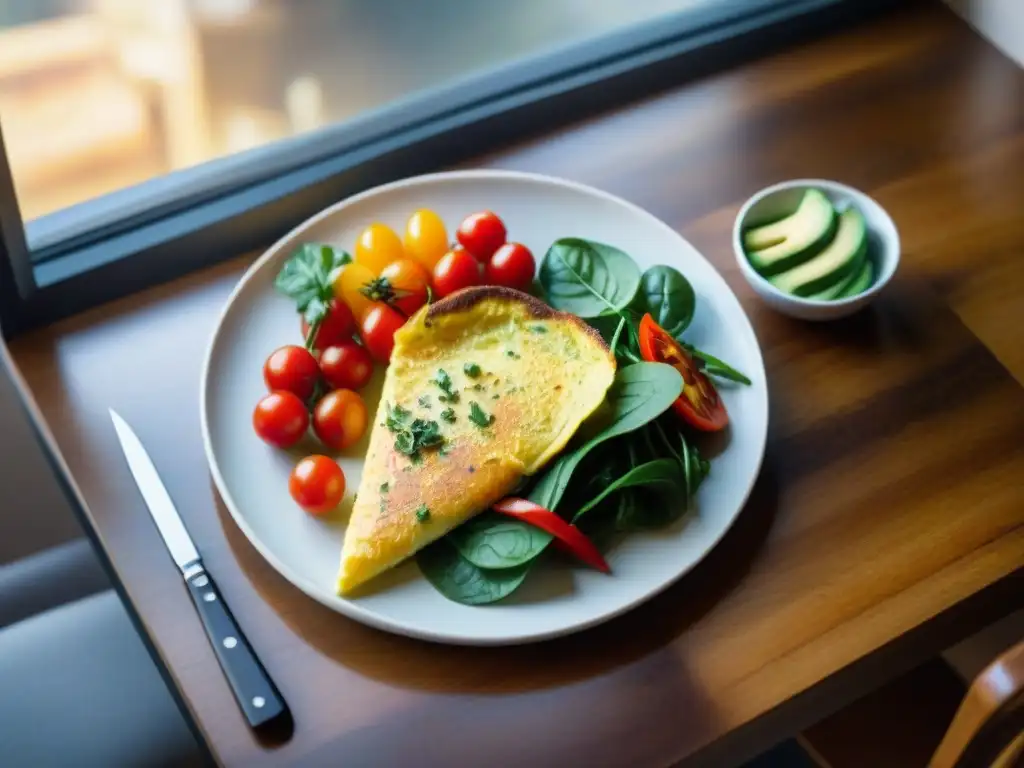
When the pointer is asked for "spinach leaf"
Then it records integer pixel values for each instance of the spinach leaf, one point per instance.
(458, 579)
(492, 541)
(306, 277)
(715, 367)
(614, 343)
(619, 330)
(641, 510)
(640, 393)
(628, 510)
(664, 475)
(669, 297)
(588, 278)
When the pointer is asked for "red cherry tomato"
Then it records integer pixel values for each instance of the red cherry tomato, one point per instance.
(337, 326)
(456, 270)
(378, 330)
(280, 419)
(346, 366)
(293, 369)
(404, 285)
(512, 266)
(339, 419)
(481, 234)
(699, 405)
(317, 484)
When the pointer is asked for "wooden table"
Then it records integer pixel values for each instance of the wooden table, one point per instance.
(888, 520)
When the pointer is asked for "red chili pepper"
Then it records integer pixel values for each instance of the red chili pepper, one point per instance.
(567, 535)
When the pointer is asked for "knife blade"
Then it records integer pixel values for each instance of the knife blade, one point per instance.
(255, 692)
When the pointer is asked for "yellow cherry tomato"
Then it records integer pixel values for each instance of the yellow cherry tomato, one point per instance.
(426, 240)
(348, 284)
(378, 246)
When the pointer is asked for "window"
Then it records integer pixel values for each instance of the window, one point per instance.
(132, 126)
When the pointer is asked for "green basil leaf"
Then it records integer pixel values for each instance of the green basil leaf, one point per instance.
(307, 274)
(669, 297)
(663, 475)
(314, 311)
(587, 278)
(459, 580)
(493, 541)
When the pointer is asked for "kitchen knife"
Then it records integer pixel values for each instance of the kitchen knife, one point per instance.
(255, 692)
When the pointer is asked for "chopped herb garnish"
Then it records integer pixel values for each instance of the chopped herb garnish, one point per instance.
(512, 353)
(538, 329)
(422, 513)
(495, 396)
(424, 401)
(405, 443)
(427, 433)
(448, 414)
(384, 487)
(478, 416)
(444, 383)
(396, 417)
(411, 438)
(471, 369)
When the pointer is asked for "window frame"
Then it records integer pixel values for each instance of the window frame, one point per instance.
(140, 236)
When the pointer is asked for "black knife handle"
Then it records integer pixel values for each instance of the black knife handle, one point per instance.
(253, 689)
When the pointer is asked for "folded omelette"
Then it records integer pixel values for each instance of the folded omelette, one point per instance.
(483, 388)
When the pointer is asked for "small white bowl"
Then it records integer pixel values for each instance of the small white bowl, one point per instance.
(780, 200)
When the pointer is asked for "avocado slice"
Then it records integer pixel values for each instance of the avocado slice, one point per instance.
(842, 256)
(784, 244)
(862, 281)
(838, 289)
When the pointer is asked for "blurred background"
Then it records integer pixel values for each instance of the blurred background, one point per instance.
(96, 95)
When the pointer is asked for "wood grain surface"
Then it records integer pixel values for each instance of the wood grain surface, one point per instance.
(888, 520)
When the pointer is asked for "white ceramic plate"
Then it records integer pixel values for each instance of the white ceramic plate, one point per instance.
(556, 599)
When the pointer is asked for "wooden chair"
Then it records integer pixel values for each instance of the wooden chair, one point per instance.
(988, 729)
(924, 719)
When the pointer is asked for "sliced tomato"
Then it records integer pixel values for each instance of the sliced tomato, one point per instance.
(699, 405)
(568, 537)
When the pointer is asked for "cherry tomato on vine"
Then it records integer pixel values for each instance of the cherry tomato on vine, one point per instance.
(293, 369)
(699, 405)
(339, 419)
(317, 484)
(456, 270)
(337, 326)
(377, 246)
(280, 419)
(378, 330)
(348, 287)
(481, 234)
(346, 366)
(426, 239)
(405, 286)
(511, 265)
